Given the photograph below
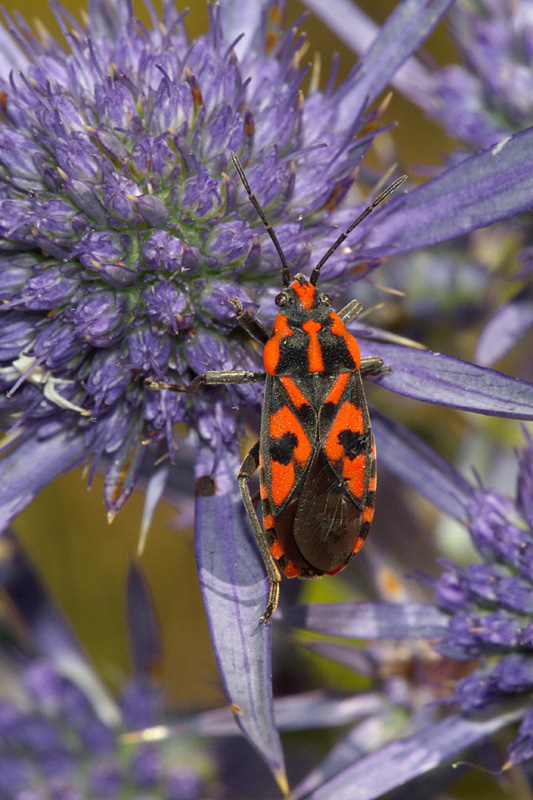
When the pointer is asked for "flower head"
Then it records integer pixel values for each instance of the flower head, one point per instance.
(488, 97)
(124, 235)
(490, 604)
(53, 743)
(485, 607)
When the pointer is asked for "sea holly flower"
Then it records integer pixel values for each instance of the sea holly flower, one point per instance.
(125, 236)
(480, 616)
(61, 732)
(481, 102)
(488, 97)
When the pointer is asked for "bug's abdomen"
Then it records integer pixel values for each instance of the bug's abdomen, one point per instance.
(318, 474)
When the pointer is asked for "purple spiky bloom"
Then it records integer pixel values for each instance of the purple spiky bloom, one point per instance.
(489, 96)
(491, 603)
(124, 234)
(125, 237)
(49, 745)
(479, 619)
(66, 736)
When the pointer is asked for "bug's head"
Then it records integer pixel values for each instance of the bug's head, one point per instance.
(301, 299)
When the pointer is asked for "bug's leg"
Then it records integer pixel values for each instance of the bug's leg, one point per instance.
(209, 379)
(250, 324)
(256, 498)
(248, 467)
(372, 366)
(350, 311)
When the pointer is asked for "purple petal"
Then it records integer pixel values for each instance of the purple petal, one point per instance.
(292, 713)
(508, 325)
(11, 56)
(403, 32)
(145, 636)
(240, 17)
(47, 628)
(235, 590)
(369, 620)
(427, 471)
(353, 658)
(31, 466)
(155, 488)
(482, 189)
(437, 378)
(401, 761)
(359, 31)
(357, 743)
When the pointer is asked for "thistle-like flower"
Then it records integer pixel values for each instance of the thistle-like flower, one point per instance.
(52, 744)
(480, 618)
(125, 236)
(62, 735)
(489, 96)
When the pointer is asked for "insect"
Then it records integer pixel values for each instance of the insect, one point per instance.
(316, 452)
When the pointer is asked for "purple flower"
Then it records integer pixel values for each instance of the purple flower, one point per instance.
(65, 736)
(489, 96)
(481, 101)
(125, 235)
(123, 262)
(481, 615)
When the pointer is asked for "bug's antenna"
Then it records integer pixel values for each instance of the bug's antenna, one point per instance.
(285, 271)
(379, 199)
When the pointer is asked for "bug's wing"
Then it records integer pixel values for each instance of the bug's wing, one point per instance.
(327, 523)
(288, 435)
(347, 441)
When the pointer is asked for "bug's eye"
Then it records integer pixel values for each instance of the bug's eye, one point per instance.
(280, 299)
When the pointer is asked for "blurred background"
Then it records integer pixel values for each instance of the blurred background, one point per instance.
(84, 561)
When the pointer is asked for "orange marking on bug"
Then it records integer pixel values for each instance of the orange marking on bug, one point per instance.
(353, 471)
(282, 482)
(280, 330)
(372, 483)
(338, 388)
(349, 418)
(339, 329)
(296, 396)
(285, 421)
(358, 545)
(291, 570)
(275, 549)
(263, 492)
(305, 292)
(314, 351)
(337, 569)
(374, 451)
(268, 522)
(368, 514)
(282, 422)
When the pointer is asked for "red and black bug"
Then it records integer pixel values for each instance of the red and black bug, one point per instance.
(316, 452)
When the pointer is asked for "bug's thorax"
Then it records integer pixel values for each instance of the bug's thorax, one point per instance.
(308, 336)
